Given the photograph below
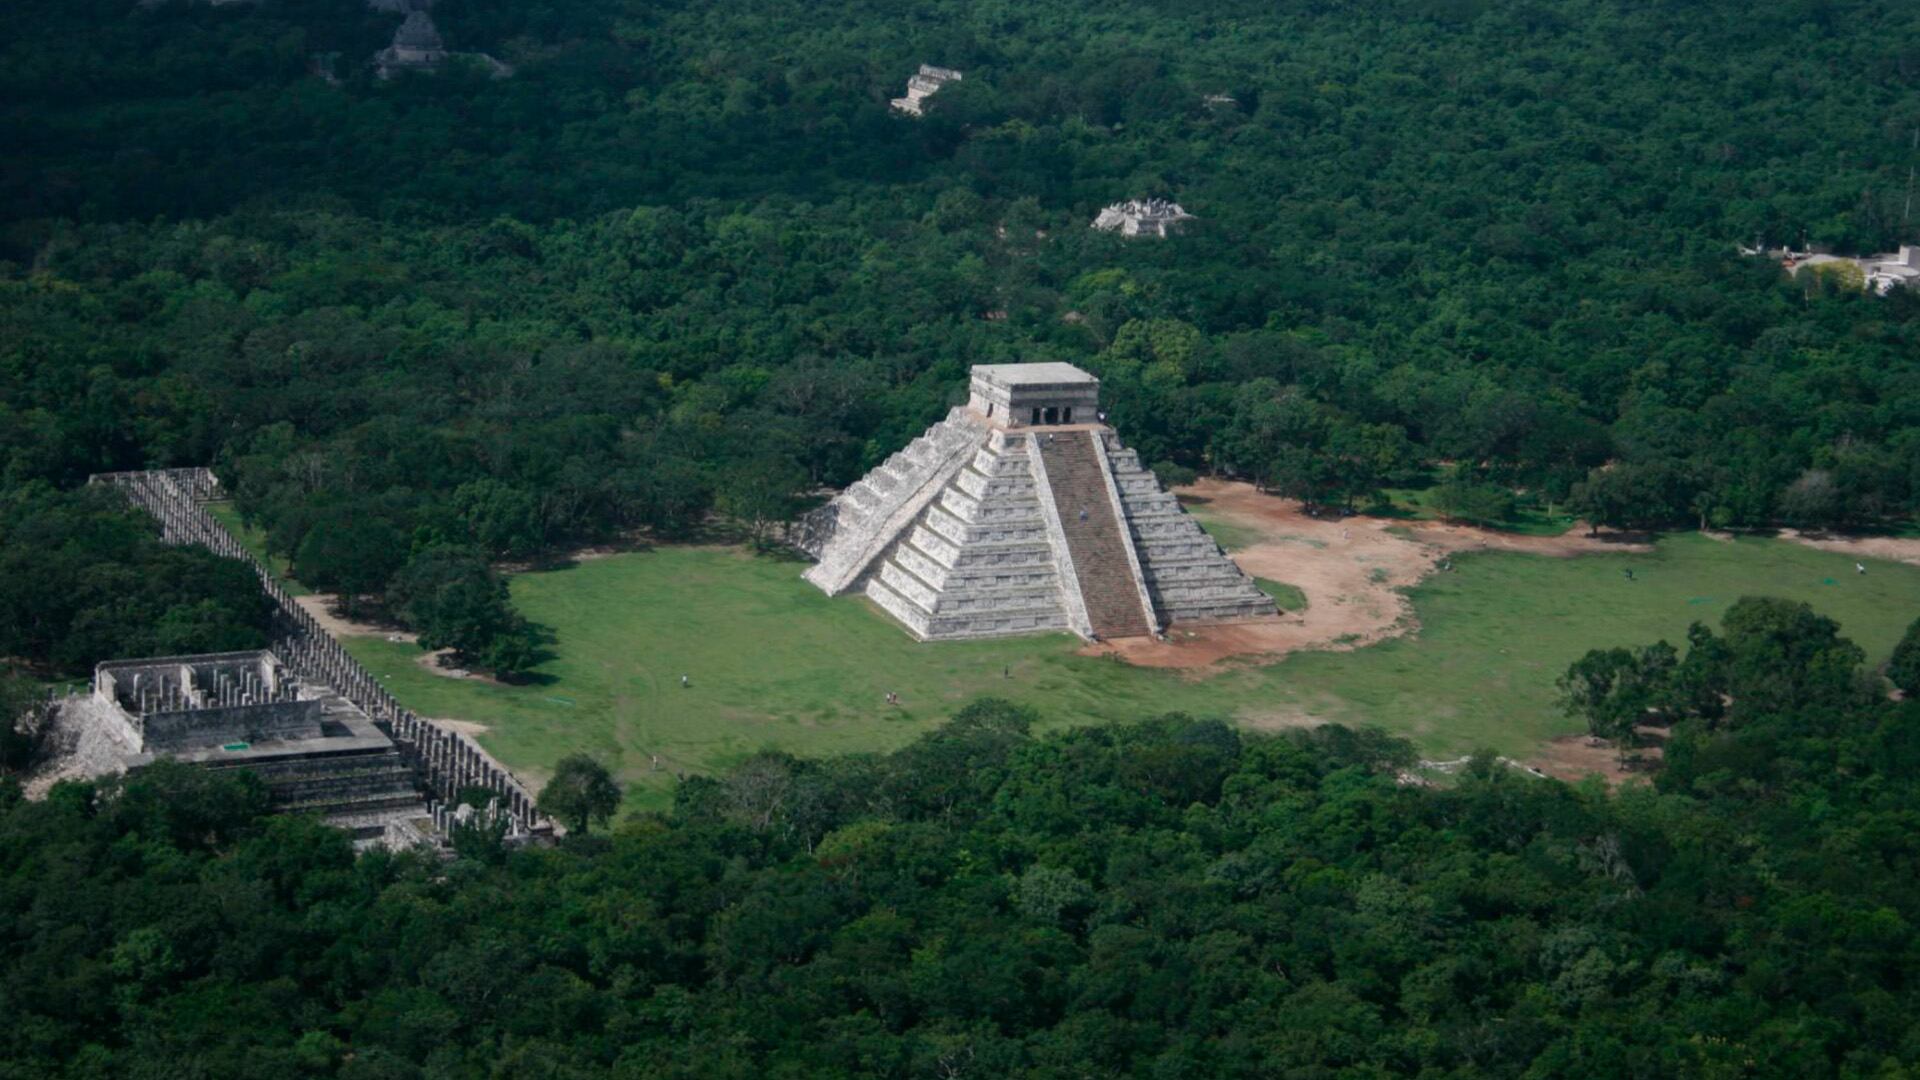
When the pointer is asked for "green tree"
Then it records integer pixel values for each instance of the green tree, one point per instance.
(502, 519)
(760, 494)
(354, 555)
(1614, 690)
(1903, 668)
(23, 720)
(1782, 655)
(453, 600)
(581, 793)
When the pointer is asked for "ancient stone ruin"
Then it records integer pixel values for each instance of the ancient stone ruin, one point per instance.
(1022, 512)
(1142, 217)
(1879, 274)
(922, 86)
(417, 45)
(196, 702)
(366, 743)
(316, 751)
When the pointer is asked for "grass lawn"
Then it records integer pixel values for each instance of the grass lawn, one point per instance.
(1228, 534)
(776, 664)
(1287, 596)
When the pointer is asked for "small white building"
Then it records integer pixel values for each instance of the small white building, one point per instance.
(922, 86)
(1142, 217)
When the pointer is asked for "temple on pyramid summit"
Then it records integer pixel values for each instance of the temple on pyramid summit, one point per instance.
(1022, 512)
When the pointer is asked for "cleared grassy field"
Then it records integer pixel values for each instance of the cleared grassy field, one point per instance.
(773, 663)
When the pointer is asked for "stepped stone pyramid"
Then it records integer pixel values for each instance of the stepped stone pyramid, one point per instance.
(1023, 512)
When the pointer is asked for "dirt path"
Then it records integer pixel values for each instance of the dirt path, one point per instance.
(1892, 548)
(1353, 572)
(1576, 757)
(320, 606)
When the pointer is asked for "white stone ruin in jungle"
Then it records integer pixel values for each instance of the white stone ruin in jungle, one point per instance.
(1156, 218)
(1023, 512)
(922, 85)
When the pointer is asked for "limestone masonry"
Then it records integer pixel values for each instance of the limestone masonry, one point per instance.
(1142, 217)
(316, 752)
(1023, 512)
(922, 86)
(417, 45)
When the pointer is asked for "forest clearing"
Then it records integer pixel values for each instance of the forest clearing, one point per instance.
(1456, 661)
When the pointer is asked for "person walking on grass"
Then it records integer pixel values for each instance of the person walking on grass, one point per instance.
(685, 682)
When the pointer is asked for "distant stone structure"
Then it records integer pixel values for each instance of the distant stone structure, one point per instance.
(1023, 512)
(1142, 217)
(1879, 273)
(417, 45)
(922, 86)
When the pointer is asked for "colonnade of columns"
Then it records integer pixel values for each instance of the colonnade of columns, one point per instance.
(447, 761)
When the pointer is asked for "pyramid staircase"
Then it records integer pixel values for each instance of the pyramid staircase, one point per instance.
(356, 787)
(1097, 543)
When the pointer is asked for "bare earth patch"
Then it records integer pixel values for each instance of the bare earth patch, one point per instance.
(1352, 570)
(321, 607)
(1576, 757)
(1893, 548)
(439, 662)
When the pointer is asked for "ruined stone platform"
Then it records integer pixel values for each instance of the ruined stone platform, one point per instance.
(315, 750)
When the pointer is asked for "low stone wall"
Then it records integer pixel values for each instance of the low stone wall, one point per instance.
(198, 729)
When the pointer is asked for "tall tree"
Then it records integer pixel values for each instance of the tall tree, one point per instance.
(581, 793)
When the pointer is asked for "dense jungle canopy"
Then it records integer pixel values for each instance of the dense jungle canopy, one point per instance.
(1170, 899)
(686, 258)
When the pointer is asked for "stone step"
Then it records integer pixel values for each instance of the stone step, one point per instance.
(1195, 572)
(957, 531)
(1036, 573)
